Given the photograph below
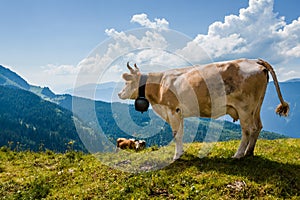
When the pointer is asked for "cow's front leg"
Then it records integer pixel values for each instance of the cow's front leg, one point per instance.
(176, 121)
(178, 136)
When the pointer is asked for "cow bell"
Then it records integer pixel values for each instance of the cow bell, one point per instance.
(141, 104)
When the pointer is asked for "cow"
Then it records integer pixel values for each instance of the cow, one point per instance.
(123, 143)
(140, 145)
(235, 87)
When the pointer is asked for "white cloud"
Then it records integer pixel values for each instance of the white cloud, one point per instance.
(149, 39)
(213, 46)
(123, 47)
(143, 20)
(120, 44)
(290, 39)
(287, 74)
(60, 69)
(256, 32)
(156, 59)
(57, 77)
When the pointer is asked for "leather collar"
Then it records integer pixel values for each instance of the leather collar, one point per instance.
(142, 86)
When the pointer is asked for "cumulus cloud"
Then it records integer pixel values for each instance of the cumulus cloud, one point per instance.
(150, 39)
(123, 44)
(143, 20)
(290, 39)
(256, 32)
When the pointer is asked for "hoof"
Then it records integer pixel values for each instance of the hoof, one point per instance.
(249, 154)
(238, 156)
(177, 156)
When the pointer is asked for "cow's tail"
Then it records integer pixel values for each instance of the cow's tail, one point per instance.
(283, 108)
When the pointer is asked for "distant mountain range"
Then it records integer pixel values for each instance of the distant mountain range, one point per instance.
(101, 92)
(33, 117)
(286, 125)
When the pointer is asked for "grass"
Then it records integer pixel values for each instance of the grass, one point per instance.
(273, 173)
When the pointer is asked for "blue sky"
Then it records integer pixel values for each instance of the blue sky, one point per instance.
(41, 37)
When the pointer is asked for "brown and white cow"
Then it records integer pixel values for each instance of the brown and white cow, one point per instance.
(234, 87)
(124, 143)
(140, 145)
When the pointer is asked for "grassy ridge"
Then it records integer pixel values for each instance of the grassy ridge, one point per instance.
(274, 173)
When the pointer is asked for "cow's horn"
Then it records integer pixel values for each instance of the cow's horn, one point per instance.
(135, 66)
(130, 68)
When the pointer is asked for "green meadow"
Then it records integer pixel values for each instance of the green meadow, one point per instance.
(273, 173)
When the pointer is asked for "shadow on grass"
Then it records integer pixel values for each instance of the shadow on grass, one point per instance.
(283, 176)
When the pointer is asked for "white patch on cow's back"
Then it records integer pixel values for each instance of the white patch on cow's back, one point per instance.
(249, 68)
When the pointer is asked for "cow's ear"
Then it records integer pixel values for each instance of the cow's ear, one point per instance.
(127, 77)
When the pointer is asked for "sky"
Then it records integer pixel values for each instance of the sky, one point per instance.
(50, 42)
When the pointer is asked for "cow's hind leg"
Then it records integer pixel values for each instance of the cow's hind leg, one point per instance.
(253, 136)
(251, 126)
(243, 145)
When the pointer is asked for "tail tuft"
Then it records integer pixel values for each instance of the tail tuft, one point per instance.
(283, 109)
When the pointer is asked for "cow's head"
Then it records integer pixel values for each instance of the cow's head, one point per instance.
(140, 144)
(130, 90)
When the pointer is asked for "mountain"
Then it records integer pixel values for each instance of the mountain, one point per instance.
(293, 80)
(286, 125)
(106, 92)
(9, 78)
(29, 122)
